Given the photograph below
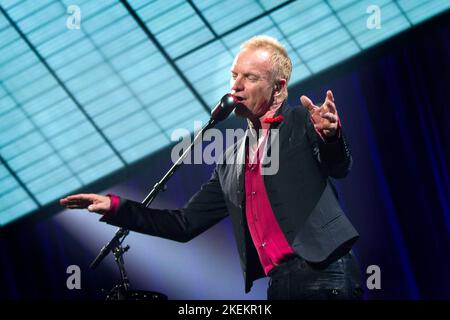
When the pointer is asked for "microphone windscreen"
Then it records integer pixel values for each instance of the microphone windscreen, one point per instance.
(225, 106)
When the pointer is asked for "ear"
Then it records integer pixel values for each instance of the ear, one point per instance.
(279, 86)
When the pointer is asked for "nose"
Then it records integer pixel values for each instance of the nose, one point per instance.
(236, 85)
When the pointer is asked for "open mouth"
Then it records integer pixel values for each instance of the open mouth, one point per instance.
(239, 99)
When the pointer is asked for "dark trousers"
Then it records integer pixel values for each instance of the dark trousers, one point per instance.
(297, 279)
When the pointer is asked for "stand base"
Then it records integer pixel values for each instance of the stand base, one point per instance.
(117, 293)
(145, 295)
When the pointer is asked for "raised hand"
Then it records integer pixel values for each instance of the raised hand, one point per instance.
(92, 202)
(325, 117)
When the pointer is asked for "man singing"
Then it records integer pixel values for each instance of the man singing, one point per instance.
(288, 225)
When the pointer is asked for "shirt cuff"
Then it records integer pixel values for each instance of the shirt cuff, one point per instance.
(115, 200)
(329, 139)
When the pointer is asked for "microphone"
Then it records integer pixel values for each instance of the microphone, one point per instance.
(223, 109)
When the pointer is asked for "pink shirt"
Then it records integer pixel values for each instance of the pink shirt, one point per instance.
(269, 240)
(115, 200)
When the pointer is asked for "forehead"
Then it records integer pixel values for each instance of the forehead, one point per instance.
(252, 59)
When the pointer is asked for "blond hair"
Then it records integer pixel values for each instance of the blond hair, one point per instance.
(281, 63)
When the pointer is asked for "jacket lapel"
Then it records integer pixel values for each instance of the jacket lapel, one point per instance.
(240, 161)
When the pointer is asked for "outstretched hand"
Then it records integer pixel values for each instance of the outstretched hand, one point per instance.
(92, 202)
(325, 117)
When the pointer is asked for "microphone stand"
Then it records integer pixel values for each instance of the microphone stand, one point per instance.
(122, 290)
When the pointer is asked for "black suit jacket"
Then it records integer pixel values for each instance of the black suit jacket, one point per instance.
(301, 194)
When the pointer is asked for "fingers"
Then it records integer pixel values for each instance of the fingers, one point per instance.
(329, 102)
(329, 121)
(100, 207)
(75, 204)
(332, 118)
(330, 95)
(91, 202)
(77, 198)
(94, 208)
(326, 126)
(323, 125)
(331, 107)
(82, 196)
(307, 103)
(78, 201)
(328, 105)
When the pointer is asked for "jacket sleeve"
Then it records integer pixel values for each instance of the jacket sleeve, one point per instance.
(334, 157)
(206, 208)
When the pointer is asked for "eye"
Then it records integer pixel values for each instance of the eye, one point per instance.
(252, 78)
(233, 76)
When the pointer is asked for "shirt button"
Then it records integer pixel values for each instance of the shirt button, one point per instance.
(253, 193)
(263, 244)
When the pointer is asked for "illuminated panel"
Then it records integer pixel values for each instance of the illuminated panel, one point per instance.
(76, 105)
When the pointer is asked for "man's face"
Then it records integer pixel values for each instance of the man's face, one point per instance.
(251, 82)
